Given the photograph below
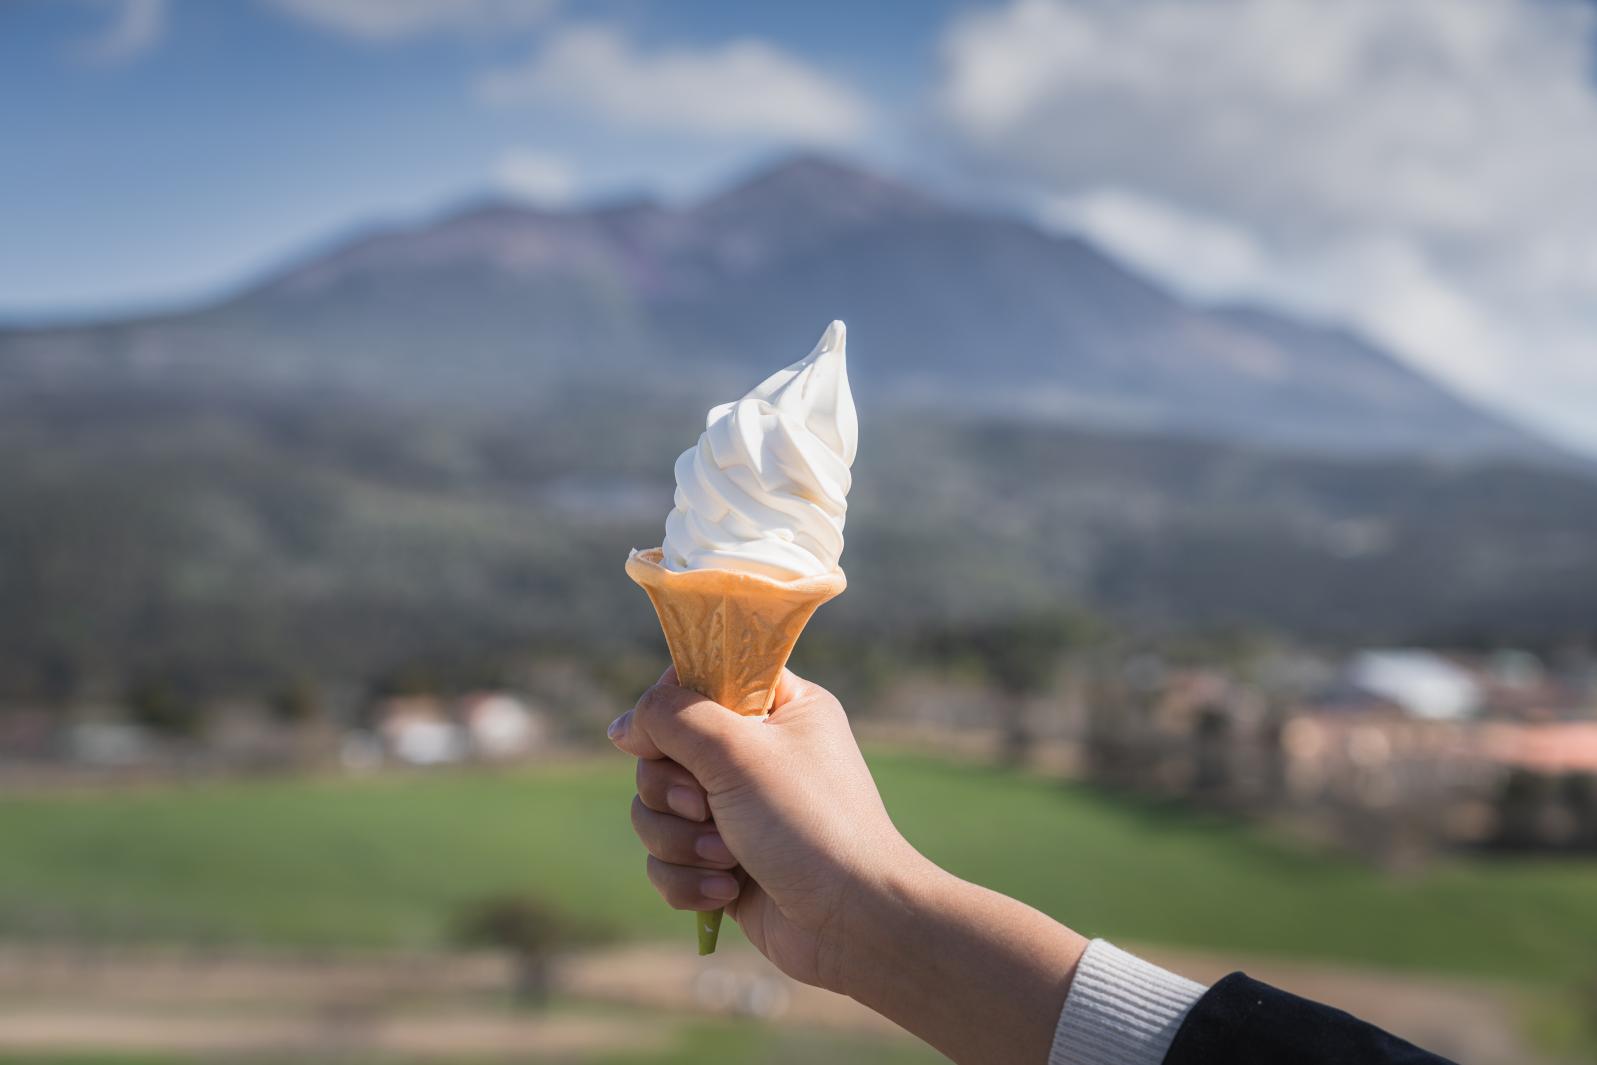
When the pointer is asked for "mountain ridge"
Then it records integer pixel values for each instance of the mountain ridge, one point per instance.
(949, 307)
(434, 444)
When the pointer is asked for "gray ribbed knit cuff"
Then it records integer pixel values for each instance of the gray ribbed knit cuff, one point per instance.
(1121, 1010)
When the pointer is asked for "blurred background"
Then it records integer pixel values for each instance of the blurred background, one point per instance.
(1222, 568)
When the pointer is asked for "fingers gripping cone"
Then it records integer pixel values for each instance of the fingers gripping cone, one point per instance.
(730, 636)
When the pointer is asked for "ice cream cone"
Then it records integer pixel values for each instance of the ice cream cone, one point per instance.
(730, 636)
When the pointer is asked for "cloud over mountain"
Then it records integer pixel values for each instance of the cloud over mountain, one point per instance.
(740, 88)
(385, 21)
(1421, 168)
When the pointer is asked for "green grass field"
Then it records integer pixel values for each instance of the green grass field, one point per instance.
(391, 861)
(693, 1043)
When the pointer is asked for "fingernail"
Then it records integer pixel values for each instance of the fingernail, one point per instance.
(719, 888)
(617, 727)
(686, 802)
(712, 848)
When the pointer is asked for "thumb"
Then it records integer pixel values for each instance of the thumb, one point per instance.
(702, 736)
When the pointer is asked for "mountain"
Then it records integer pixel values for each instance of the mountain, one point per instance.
(947, 307)
(431, 446)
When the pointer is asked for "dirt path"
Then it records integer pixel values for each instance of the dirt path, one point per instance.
(411, 1005)
(293, 1008)
(471, 1034)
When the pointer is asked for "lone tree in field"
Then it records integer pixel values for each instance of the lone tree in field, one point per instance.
(532, 932)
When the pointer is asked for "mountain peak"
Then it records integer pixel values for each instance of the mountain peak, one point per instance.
(814, 182)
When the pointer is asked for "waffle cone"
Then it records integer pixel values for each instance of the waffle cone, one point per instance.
(730, 633)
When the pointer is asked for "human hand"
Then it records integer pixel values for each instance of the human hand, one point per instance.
(776, 818)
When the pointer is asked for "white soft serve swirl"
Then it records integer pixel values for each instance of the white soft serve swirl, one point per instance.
(765, 489)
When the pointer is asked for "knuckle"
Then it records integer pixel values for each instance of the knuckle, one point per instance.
(712, 745)
(666, 837)
(652, 703)
(647, 776)
(668, 884)
(652, 869)
(655, 779)
(654, 832)
(735, 750)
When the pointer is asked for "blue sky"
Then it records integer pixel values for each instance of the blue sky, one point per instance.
(239, 132)
(1418, 170)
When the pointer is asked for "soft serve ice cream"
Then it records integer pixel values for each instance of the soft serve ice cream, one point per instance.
(765, 489)
(751, 546)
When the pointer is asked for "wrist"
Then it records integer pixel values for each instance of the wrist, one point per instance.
(979, 976)
(882, 926)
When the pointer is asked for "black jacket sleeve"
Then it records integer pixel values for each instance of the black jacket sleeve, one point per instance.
(1240, 1021)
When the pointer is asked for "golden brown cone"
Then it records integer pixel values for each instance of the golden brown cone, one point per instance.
(730, 636)
(730, 633)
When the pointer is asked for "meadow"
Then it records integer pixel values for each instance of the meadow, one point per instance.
(392, 861)
(695, 1043)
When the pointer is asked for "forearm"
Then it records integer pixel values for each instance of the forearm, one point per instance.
(979, 976)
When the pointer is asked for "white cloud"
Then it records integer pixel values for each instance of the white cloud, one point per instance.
(1215, 257)
(383, 21)
(536, 176)
(745, 88)
(135, 27)
(1422, 168)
